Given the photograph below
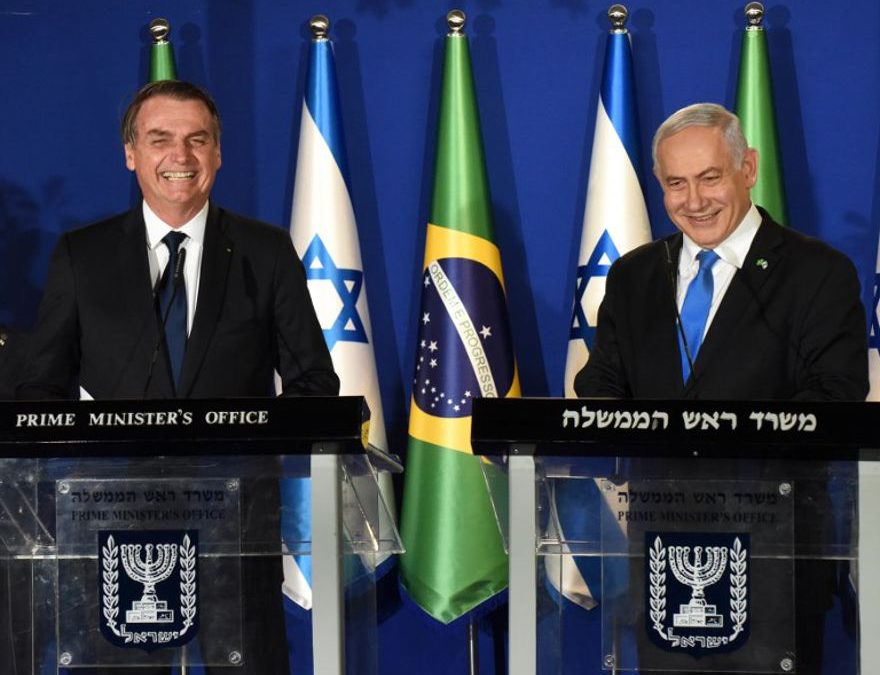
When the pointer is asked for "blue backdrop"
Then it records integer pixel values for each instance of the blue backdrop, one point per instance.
(68, 69)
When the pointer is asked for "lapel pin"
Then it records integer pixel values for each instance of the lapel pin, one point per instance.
(762, 263)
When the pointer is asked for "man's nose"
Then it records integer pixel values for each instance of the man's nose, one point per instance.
(694, 197)
(180, 151)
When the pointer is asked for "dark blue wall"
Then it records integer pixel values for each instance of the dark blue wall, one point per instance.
(66, 70)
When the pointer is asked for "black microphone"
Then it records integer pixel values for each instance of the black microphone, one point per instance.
(178, 271)
(673, 277)
(177, 281)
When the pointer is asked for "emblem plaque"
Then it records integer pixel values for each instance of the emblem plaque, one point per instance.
(148, 587)
(697, 587)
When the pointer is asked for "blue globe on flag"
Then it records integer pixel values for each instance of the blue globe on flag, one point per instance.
(464, 342)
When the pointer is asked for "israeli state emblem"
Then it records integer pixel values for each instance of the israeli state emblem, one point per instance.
(697, 587)
(148, 587)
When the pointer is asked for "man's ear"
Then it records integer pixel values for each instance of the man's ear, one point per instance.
(750, 167)
(129, 156)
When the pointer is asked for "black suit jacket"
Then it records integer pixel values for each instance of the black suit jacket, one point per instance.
(97, 326)
(791, 326)
(13, 354)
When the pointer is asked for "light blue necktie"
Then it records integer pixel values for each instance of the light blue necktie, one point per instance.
(172, 306)
(695, 309)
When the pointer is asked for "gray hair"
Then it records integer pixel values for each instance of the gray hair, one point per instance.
(704, 115)
(175, 89)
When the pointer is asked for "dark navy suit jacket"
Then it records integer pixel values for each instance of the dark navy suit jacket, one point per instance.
(790, 327)
(97, 327)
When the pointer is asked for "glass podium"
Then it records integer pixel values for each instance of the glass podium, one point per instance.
(686, 537)
(154, 533)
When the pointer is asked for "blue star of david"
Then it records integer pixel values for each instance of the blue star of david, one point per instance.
(595, 268)
(348, 326)
(874, 336)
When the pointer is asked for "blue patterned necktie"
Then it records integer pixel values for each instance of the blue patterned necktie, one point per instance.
(172, 306)
(695, 309)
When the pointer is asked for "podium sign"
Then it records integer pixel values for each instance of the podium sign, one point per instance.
(143, 534)
(163, 556)
(684, 536)
(700, 573)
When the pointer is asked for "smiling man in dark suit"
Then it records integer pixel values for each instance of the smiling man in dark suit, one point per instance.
(733, 306)
(241, 304)
(179, 298)
(782, 318)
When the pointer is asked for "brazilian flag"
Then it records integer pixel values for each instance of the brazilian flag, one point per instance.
(754, 107)
(161, 53)
(454, 558)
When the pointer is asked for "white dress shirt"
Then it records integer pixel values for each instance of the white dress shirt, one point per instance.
(731, 253)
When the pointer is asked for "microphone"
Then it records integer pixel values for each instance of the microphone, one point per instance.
(178, 275)
(176, 281)
(673, 277)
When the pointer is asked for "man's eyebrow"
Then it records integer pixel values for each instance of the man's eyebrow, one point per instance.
(702, 174)
(158, 132)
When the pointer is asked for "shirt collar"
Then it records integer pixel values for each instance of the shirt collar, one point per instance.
(158, 228)
(732, 250)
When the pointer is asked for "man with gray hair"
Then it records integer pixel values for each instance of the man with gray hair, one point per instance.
(733, 306)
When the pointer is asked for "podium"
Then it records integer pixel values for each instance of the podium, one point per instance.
(152, 533)
(699, 536)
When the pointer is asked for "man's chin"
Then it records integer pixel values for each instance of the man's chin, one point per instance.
(704, 235)
(176, 208)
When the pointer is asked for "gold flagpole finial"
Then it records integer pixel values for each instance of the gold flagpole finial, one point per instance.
(455, 20)
(618, 14)
(755, 16)
(320, 26)
(160, 29)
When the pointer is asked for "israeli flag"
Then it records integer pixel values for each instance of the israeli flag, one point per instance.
(324, 233)
(874, 337)
(869, 499)
(615, 222)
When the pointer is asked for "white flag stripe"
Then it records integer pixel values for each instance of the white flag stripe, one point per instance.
(561, 570)
(614, 196)
(295, 586)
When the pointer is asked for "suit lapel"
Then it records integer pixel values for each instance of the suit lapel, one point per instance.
(216, 258)
(135, 285)
(759, 266)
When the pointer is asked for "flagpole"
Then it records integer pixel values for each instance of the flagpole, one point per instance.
(161, 54)
(455, 19)
(756, 112)
(473, 647)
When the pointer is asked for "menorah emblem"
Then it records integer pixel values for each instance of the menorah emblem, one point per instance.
(149, 570)
(703, 571)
